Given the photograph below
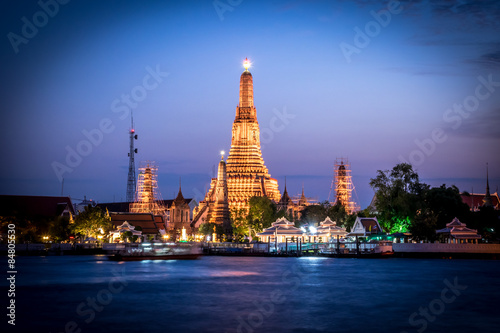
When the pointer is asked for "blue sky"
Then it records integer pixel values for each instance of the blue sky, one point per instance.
(408, 92)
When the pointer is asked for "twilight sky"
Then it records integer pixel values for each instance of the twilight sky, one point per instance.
(419, 81)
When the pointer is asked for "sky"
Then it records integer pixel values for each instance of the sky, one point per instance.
(376, 82)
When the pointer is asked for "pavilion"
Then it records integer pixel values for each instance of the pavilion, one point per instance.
(365, 226)
(328, 229)
(457, 232)
(280, 231)
(124, 227)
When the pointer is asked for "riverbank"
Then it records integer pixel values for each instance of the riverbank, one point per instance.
(347, 250)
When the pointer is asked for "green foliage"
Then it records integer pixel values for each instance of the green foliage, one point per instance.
(128, 236)
(91, 221)
(404, 203)
(399, 225)
(239, 224)
(398, 193)
(314, 214)
(208, 229)
(338, 214)
(261, 214)
(349, 222)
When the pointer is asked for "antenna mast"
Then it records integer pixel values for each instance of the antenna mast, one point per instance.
(131, 163)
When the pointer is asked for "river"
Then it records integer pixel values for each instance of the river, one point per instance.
(255, 294)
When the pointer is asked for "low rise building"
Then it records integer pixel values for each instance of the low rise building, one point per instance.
(365, 226)
(457, 232)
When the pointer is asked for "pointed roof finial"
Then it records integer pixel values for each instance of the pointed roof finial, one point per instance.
(246, 64)
(487, 197)
(180, 197)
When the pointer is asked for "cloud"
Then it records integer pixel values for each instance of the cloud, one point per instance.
(425, 71)
(488, 60)
(480, 125)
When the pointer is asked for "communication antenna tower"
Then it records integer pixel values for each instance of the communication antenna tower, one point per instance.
(131, 163)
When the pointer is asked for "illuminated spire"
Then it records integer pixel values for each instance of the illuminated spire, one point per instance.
(246, 87)
(246, 64)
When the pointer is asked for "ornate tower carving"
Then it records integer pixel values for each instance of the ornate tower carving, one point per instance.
(218, 211)
(246, 173)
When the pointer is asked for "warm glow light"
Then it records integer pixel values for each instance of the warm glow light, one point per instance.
(246, 63)
(222, 152)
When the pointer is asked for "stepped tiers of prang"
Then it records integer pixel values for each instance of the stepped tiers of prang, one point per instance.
(247, 176)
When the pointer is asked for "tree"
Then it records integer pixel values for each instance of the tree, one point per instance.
(398, 194)
(446, 204)
(261, 213)
(314, 214)
(239, 223)
(208, 229)
(59, 229)
(486, 222)
(27, 230)
(92, 222)
(423, 227)
(338, 214)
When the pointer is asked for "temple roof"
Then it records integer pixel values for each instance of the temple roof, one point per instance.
(457, 229)
(364, 226)
(285, 198)
(455, 223)
(149, 223)
(281, 227)
(180, 198)
(303, 199)
(330, 227)
(28, 205)
(475, 200)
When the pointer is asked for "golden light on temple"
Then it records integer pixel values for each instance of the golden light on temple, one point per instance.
(222, 153)
(246, 64)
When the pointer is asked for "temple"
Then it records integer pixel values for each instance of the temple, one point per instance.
(344, 186)
(292, 209)
(247, 176)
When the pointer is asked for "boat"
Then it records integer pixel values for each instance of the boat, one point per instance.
(158, 251)
(384, 248)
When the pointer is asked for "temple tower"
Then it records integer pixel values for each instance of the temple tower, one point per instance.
(179, 215)
(148, 196)
(344, 186)
(218, 207)
(246, 173)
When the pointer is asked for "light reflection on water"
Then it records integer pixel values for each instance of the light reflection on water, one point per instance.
(224, 294)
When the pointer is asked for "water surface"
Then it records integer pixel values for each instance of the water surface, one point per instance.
(243, 294)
